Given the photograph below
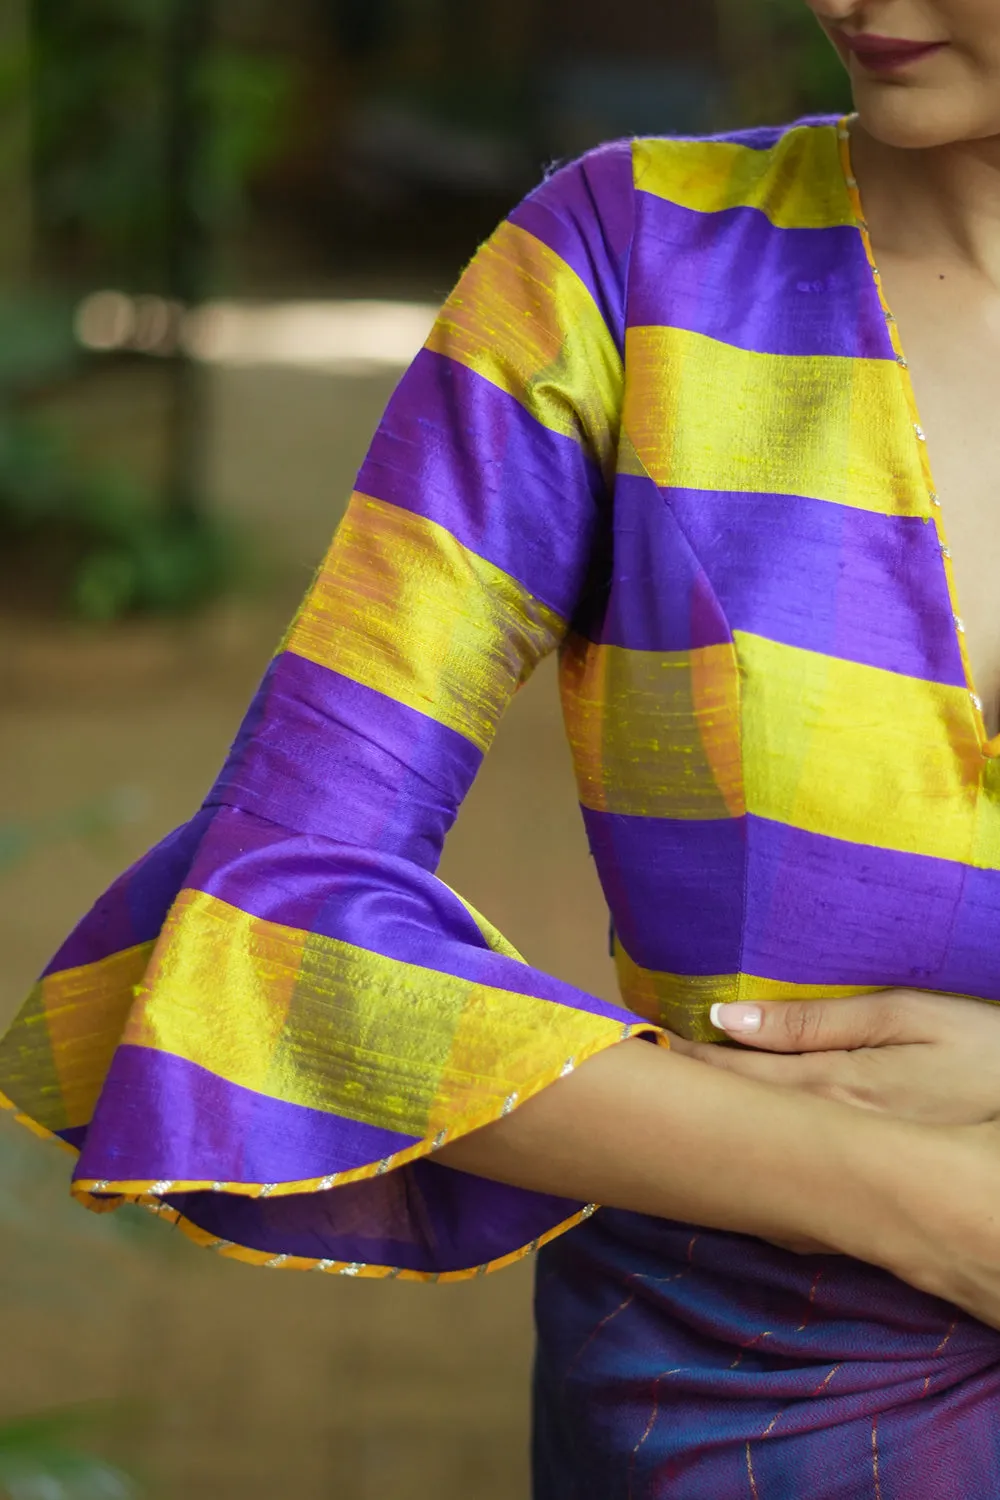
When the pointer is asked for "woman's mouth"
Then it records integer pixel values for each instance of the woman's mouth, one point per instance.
(887, 54)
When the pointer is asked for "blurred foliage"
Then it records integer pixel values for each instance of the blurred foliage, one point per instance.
(102, 120)
(40, 1461)
(815, 75)
(779, 63)
(105, 547)
(106, 551)
(107, 123)
(97, 543)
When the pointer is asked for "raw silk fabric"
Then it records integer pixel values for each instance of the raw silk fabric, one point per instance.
(664, 426)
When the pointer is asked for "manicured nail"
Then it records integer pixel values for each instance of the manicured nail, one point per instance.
(739, 1020)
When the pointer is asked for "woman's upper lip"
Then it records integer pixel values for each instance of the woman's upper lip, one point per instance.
(886, 46)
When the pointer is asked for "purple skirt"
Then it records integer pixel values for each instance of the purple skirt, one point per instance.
(683, 1364)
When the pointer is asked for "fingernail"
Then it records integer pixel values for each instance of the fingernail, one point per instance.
(740, 1019)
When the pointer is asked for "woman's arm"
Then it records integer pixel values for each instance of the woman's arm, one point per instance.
(647, 1130)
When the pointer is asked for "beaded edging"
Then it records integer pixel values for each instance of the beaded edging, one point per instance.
(107, 1196)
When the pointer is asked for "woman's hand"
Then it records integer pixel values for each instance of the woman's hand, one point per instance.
(918, 1056)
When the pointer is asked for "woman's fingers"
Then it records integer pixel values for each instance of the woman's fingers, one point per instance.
(917, 1056)
(880, 1020)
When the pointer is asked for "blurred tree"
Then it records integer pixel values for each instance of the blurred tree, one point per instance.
(15, 151)
(128, 92)
(779, 63)
(186, 241)
(814, 69)
(146, 132)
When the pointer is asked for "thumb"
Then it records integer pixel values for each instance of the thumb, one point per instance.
(817, 1025)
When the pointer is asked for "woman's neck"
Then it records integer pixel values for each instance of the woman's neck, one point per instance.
(940, 204)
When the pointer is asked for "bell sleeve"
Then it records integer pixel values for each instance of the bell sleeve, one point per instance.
(269, 1025)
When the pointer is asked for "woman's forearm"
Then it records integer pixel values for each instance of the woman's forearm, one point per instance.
(647, 1130)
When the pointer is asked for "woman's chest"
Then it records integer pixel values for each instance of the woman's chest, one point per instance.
(950, 330)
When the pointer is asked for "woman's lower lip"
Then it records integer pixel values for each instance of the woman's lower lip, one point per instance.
(893, 62)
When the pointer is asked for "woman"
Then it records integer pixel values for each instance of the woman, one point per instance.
(665, 424)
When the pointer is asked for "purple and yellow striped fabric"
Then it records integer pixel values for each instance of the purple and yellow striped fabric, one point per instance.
(664, 427)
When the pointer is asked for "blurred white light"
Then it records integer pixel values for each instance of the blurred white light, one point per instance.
(338, 337)
(157, 325)
(341, 338)
(105, 320)
(346, 338)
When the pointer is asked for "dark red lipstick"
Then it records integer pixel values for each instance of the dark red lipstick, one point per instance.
(887, 54)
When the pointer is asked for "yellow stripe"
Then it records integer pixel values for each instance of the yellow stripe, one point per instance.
(312, 1021)
(56, 1055)
(654, 734)
(219, 985)
(700, 414)
(798, 184)
(986, 845)
(402, 607)
(861, 754)
(524, 321)
(682, 1002)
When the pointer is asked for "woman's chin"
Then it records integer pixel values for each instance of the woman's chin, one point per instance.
(920, 119)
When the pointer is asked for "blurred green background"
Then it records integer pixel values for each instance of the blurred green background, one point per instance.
(226, 224)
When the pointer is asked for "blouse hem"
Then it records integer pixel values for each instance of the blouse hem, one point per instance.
(106, 1196)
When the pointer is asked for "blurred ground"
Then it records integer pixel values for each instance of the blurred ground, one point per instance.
(245, 1383)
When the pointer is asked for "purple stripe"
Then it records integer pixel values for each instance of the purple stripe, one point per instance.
(456, 449)
(162, 1118)
(320, 753)
(692, 566)
(827, 578)
(822, 911)
(818, 910)
(133, 910)
(586, 214)
(423, 1218)
(801, 291)
(661, 598)
(973, 964)
(674, 888)
(374, 902)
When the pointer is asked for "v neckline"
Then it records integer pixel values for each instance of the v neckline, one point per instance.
(989, 747)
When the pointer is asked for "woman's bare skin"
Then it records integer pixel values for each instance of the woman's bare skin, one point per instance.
(934, 219)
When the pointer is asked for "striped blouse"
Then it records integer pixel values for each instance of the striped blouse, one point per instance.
(664, 426)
